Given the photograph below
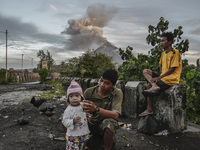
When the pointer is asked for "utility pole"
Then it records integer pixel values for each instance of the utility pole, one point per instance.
(32, 64)
(6, 56)
(22, 62)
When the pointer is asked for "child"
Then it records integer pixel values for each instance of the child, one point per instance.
(74, 119)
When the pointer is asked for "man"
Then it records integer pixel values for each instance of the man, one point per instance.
(104, 102)
(170, 67)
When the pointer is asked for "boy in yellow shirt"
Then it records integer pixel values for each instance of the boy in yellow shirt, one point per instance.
(170, 67)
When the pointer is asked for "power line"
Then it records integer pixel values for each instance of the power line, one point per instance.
(2, 32)
(7, 35)
(18, 47)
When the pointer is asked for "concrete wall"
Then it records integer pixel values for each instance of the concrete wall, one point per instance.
(20, 77)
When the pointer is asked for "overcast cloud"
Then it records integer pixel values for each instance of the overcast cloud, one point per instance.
(68, 28)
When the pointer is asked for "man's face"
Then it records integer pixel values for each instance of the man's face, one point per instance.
(165, 43)
(105, 85)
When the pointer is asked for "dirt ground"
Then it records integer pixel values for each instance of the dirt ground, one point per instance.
(43, 132)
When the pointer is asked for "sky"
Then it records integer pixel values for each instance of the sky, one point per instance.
(69, 28)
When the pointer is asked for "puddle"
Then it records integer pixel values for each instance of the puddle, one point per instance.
(11, 98)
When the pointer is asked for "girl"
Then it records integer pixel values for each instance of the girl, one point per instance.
(74, 119)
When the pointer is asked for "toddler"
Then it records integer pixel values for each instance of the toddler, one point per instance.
(74, 119)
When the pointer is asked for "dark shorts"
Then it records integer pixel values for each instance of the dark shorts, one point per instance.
(163, 86)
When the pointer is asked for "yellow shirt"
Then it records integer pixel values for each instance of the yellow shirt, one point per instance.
(169, 60)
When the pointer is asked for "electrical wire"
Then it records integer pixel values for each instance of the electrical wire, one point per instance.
(19, 48)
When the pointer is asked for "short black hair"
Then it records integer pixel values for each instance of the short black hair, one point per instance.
(110, 74)
(169, 36)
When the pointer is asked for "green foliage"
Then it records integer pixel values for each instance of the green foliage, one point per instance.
(129, 70)
(132, 68)
(35, 70)
(43, 72)
(56, 92)
(193, 90)
(2, 76)
(45, 57)
(153, 38)
(89, 65)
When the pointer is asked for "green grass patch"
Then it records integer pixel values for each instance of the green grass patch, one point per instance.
(55, 92)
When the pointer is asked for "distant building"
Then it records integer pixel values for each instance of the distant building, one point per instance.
(44, 64)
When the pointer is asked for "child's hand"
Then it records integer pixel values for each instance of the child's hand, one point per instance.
(76, 120)
(89, 117)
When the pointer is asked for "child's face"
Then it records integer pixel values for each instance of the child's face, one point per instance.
(74, 99)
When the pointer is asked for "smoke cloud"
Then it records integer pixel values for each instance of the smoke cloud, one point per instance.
(88, 31)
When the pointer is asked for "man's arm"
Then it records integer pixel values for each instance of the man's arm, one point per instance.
(91, 107)
(108, 113)
(168, 72)
(160, 68)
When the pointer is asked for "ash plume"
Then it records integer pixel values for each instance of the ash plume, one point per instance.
(88, 31)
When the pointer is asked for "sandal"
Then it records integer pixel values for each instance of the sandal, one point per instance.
(145, 113)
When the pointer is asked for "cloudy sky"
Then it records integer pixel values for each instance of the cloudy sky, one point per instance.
(68, 28)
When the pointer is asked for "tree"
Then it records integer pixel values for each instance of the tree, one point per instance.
(45, 57)
(89, 65)
(35, 70)
(153, 38)
(43, 72)
(132, 67)
(2, 76)
(193, 92)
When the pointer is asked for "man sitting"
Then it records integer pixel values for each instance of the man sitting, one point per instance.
(104, 102)
(170, 67)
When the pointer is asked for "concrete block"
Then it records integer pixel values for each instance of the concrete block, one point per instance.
(141, 99)
(84, 84)
(94, 82)
(129, 105)
(170, 109)
(121, 85)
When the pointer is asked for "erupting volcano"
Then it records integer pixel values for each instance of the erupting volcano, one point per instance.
(87, 33)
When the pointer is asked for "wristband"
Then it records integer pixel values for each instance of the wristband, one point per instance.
(97, 110)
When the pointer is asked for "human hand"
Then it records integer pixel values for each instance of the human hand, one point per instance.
(89, 106)
(76, 120)
(89, 117)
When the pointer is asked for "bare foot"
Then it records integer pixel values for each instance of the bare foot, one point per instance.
(153, 89)
(145, 113)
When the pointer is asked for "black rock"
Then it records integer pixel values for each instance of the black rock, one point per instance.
(43, 109)
(51, 108)
(23, 121)
(49, 114)
(37, 103)
(148, 125)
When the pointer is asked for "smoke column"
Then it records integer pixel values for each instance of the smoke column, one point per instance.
(87, 31)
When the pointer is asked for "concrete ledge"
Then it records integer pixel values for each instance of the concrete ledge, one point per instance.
(192, 129)
(170, 109)
(129, 107)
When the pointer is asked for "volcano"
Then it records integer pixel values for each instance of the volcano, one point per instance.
(111, 51)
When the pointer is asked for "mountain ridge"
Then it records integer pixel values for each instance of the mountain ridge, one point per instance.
(110, 50)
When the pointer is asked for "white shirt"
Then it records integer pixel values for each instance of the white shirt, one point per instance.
(78, 129)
